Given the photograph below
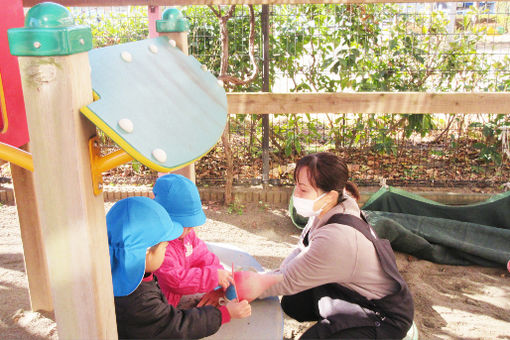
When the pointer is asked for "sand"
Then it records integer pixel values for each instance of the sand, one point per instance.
(451, 302)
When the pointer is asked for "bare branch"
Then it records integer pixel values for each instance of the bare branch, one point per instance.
(225, 48)
(217, 13)
(231, 11)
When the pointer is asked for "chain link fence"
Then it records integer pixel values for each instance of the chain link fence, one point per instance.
(439, 47)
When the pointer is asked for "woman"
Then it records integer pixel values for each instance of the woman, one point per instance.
(340, 274)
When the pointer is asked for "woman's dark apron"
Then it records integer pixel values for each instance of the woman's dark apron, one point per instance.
(392, 315)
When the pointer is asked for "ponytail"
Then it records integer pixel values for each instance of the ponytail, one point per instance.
(352, 189)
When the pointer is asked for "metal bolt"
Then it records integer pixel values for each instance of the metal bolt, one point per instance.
(37, 44)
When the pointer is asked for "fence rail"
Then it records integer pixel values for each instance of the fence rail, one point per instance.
(369, 102)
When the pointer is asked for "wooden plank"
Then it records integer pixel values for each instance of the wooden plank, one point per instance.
(10, 197)
(99, 3)
(72, 218)
(116, 195)
(31, 236)
(249, 196)
(368, 102)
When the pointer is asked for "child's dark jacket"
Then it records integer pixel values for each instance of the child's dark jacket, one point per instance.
(146, 314)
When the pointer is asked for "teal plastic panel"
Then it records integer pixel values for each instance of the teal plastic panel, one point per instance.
(172, 103)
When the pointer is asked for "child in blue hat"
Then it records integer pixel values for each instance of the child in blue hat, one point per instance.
(189, 267)
(139, 230)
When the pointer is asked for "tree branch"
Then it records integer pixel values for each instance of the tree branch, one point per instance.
(225, 49)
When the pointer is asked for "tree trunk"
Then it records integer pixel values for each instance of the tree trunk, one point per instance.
(229, 172)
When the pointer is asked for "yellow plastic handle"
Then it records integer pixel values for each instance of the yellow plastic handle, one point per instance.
(16, 156)
(3, 108)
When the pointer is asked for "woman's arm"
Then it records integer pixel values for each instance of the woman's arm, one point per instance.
(289, 258)
(330, 257)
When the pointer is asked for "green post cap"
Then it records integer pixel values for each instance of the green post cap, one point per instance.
(49, 31)
(172, 21)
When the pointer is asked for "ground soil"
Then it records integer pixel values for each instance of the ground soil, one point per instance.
(451, 302)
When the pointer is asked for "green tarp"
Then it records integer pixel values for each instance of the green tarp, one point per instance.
(494, 212)
(461, 235)
(475, 234)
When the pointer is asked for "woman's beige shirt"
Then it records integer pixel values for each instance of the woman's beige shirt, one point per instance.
(336, 253)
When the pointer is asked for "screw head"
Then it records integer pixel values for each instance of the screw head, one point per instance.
(160, 155)
(126, 56)
(153, 48)
(126, 125)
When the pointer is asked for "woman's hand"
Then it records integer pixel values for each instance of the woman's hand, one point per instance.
(239, 310)
(212, 298)
(224, 278)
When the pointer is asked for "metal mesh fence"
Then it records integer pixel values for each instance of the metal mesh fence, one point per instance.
(454, 155)
(382, 47)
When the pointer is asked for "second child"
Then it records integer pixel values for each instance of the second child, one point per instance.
(189, 267)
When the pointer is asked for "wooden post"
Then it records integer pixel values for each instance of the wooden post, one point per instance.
(15, 132)
(31, 236)
(56, 82)
(174, 26)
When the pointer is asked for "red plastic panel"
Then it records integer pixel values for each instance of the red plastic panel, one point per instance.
(13, 121)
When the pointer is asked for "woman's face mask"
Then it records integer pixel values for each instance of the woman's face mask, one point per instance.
(305, 195)
(305, 207)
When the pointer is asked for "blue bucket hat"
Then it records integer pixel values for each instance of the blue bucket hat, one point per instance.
(180, 197)
(134, 225)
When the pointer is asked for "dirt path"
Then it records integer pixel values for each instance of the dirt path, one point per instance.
(451, 302)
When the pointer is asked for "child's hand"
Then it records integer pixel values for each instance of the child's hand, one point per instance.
(211, 298)
(224, 278)
(239, 310)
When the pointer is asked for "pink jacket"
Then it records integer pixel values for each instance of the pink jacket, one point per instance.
(189, 268)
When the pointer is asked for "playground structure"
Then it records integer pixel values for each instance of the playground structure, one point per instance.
(61, 216)
(56, 80)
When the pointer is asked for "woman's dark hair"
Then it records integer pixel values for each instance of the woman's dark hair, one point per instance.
(328, 172)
